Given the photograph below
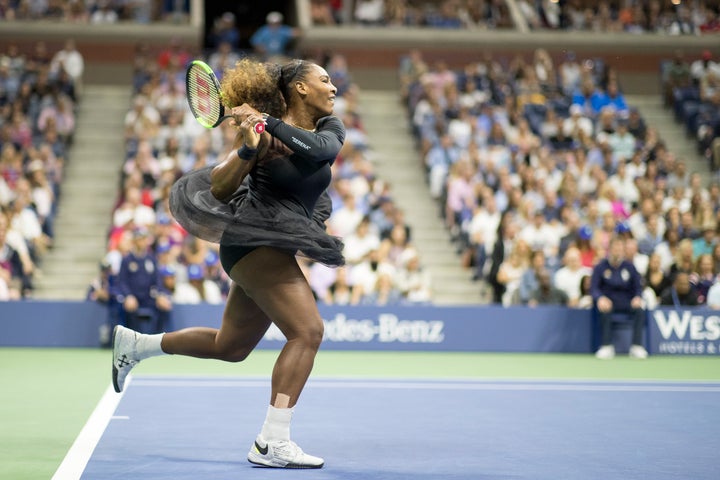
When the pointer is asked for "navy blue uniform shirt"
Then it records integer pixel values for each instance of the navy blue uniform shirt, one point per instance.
(620, 284)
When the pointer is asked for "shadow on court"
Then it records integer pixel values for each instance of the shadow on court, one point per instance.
(191, 428)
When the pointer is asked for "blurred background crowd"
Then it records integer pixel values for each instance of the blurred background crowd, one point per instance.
(634, 16)
(96, 11)
(536, 167)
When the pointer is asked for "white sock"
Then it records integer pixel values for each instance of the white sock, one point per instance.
(277, 424)
(149, 346)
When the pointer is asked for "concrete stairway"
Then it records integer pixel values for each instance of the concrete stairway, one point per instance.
(88, 194)
(673, 133)
(397, 162)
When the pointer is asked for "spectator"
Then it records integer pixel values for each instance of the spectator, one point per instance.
(25, 220)
(413, 282)
(622, 142)
(102, 290)
(104, 13)
(577, 123)
(132, 211)
(223, 58)
(703, 276)
(568, 277)
(138, 283)
(69, 60)
(369, 12)
(511, 270)
(677, 76)
(197, 288)
(340, 291)
(639, 260)
(13, 277)
(529, 279)
(374, 280)
(656, 280)
(143, 121)
(713, 297)
(224, 35)
(684, 260)
(706, 243)
(546, 293)
(703, 66)
(482, 232)
(616, 288)
(274, 39)
(680, 293)
(359, 244)
(323, 13)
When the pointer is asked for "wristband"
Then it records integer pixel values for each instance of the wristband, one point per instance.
(246, 153)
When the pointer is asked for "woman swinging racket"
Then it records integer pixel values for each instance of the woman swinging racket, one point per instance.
(261, 224)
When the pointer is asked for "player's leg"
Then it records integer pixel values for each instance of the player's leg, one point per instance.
(275, 282)
(243, 326)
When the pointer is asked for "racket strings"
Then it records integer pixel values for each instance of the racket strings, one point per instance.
(204, 96)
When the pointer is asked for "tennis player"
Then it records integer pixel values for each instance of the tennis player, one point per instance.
(261, 225)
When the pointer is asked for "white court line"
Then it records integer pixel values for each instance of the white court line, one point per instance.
(485, 386)
(77, 458)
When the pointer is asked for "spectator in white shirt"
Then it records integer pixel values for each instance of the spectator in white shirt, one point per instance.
(624, 184)
(70, 60)
(539, 235)
(413, 281)
(197, 289)
(132, 210)
(640, 260)
(361, 242)
(577, 123)
(482, 231)
(569, 276)
(345, 220)
(622, 142)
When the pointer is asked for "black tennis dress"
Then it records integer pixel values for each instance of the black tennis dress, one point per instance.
(282, 203)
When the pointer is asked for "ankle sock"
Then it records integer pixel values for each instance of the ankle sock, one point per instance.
(277, 424)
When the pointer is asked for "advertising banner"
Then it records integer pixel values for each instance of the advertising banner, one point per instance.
(684, 332)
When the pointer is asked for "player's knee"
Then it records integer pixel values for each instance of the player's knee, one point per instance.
(234, 354)
(312, 335)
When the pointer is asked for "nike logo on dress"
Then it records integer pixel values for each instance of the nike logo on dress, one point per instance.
(262, 451)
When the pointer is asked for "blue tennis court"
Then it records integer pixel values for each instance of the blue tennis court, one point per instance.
(191, 428)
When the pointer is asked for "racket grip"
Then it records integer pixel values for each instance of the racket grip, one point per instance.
(259, 127)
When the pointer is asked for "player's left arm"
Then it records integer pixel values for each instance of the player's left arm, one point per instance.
(322, 145)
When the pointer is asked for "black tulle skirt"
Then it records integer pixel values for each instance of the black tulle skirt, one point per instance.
(249, 221)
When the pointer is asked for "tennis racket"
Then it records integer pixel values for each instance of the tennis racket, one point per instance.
(203, 94)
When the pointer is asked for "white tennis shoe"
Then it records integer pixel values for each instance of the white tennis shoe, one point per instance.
(606, 352)
(638, 351)
(124, 343)
(282, 454)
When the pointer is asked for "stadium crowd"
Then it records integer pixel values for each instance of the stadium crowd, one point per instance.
(38, 102)
(692, 91)
(95, 11)
(632, 16)
(537, 166)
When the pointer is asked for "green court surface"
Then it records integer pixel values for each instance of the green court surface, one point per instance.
(48, 394)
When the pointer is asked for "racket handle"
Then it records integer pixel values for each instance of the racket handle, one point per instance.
(259, 127)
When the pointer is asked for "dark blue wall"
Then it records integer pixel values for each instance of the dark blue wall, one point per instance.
(420, 328)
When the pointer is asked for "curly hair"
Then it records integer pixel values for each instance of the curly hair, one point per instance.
(254, 83)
